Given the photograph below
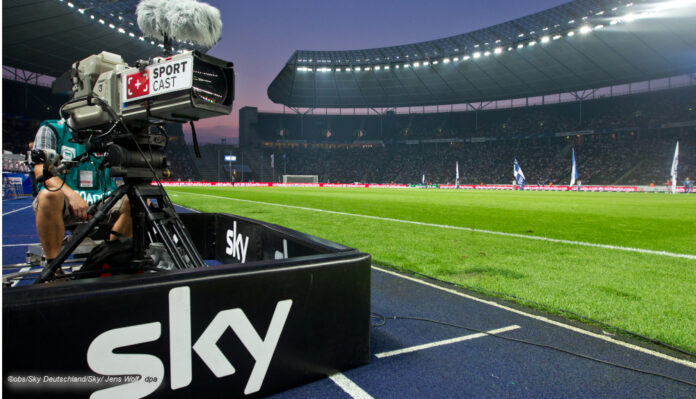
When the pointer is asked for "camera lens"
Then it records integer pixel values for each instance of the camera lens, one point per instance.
(209, 83)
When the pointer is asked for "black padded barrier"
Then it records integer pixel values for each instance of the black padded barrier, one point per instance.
(296, 310)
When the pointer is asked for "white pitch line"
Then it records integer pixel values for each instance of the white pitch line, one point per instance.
(350, 387)
(445, 226)
(546, 320)
(446, 342)
(16, 210)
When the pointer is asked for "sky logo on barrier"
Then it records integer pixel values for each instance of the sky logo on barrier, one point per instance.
(236, 244)
(102, 359)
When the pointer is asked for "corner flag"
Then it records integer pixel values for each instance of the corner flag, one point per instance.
(519, 176)
(574, 171)
(675, 164)
(456, 179)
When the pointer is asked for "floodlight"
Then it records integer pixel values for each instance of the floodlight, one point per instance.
(477, 54)
(545, 39)
(498, 50)
(571, 34)
(533, 42)
(585, 29)
(520, 45)
(446, 61)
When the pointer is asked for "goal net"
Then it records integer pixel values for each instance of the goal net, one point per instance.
(300, 178)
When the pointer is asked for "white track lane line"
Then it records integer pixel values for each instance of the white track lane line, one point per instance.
(349, 387)
(546, 320)
(22, 270)
(20, 245)
(16, 210)
(444, 226)
(446, 342)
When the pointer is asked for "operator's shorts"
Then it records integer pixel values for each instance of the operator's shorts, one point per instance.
(69, 218)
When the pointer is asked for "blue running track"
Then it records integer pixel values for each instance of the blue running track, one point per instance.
(424, 359)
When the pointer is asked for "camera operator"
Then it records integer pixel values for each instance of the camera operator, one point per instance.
(64, 200)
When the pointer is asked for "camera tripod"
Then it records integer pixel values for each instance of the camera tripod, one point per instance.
(154, 219)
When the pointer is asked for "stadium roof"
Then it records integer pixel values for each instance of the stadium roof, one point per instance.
(583, 44)
(48, 36)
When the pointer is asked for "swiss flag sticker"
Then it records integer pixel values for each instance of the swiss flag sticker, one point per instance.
(137, 84)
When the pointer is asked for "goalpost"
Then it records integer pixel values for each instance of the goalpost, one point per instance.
(300, 178)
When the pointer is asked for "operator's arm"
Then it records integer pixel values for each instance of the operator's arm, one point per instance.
(77, 204)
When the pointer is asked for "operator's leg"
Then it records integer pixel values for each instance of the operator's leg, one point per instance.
(49, 221)
(124, 223)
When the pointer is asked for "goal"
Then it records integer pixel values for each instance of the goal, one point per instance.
(300, 178)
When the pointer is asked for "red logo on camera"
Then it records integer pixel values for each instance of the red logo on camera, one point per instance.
(137, 84)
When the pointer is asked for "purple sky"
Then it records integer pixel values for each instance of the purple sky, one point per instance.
(259, 36)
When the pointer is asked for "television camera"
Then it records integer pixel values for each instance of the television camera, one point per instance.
(120, 110)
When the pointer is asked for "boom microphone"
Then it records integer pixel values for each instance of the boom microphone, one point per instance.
(184, 20)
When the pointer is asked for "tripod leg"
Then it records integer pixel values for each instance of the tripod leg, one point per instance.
(163, 221)
(75, 241)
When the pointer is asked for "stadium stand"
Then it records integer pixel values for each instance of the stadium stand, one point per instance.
(579, 75)
(506, 77)
(618, 140)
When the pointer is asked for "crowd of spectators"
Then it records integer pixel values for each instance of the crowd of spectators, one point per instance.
(645, 110)
(601, 159)
(17, 133)
(634, 143)
(181, 163)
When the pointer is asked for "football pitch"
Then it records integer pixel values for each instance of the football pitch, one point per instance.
(627, 260)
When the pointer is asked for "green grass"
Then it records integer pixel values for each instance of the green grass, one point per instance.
(652, 295)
